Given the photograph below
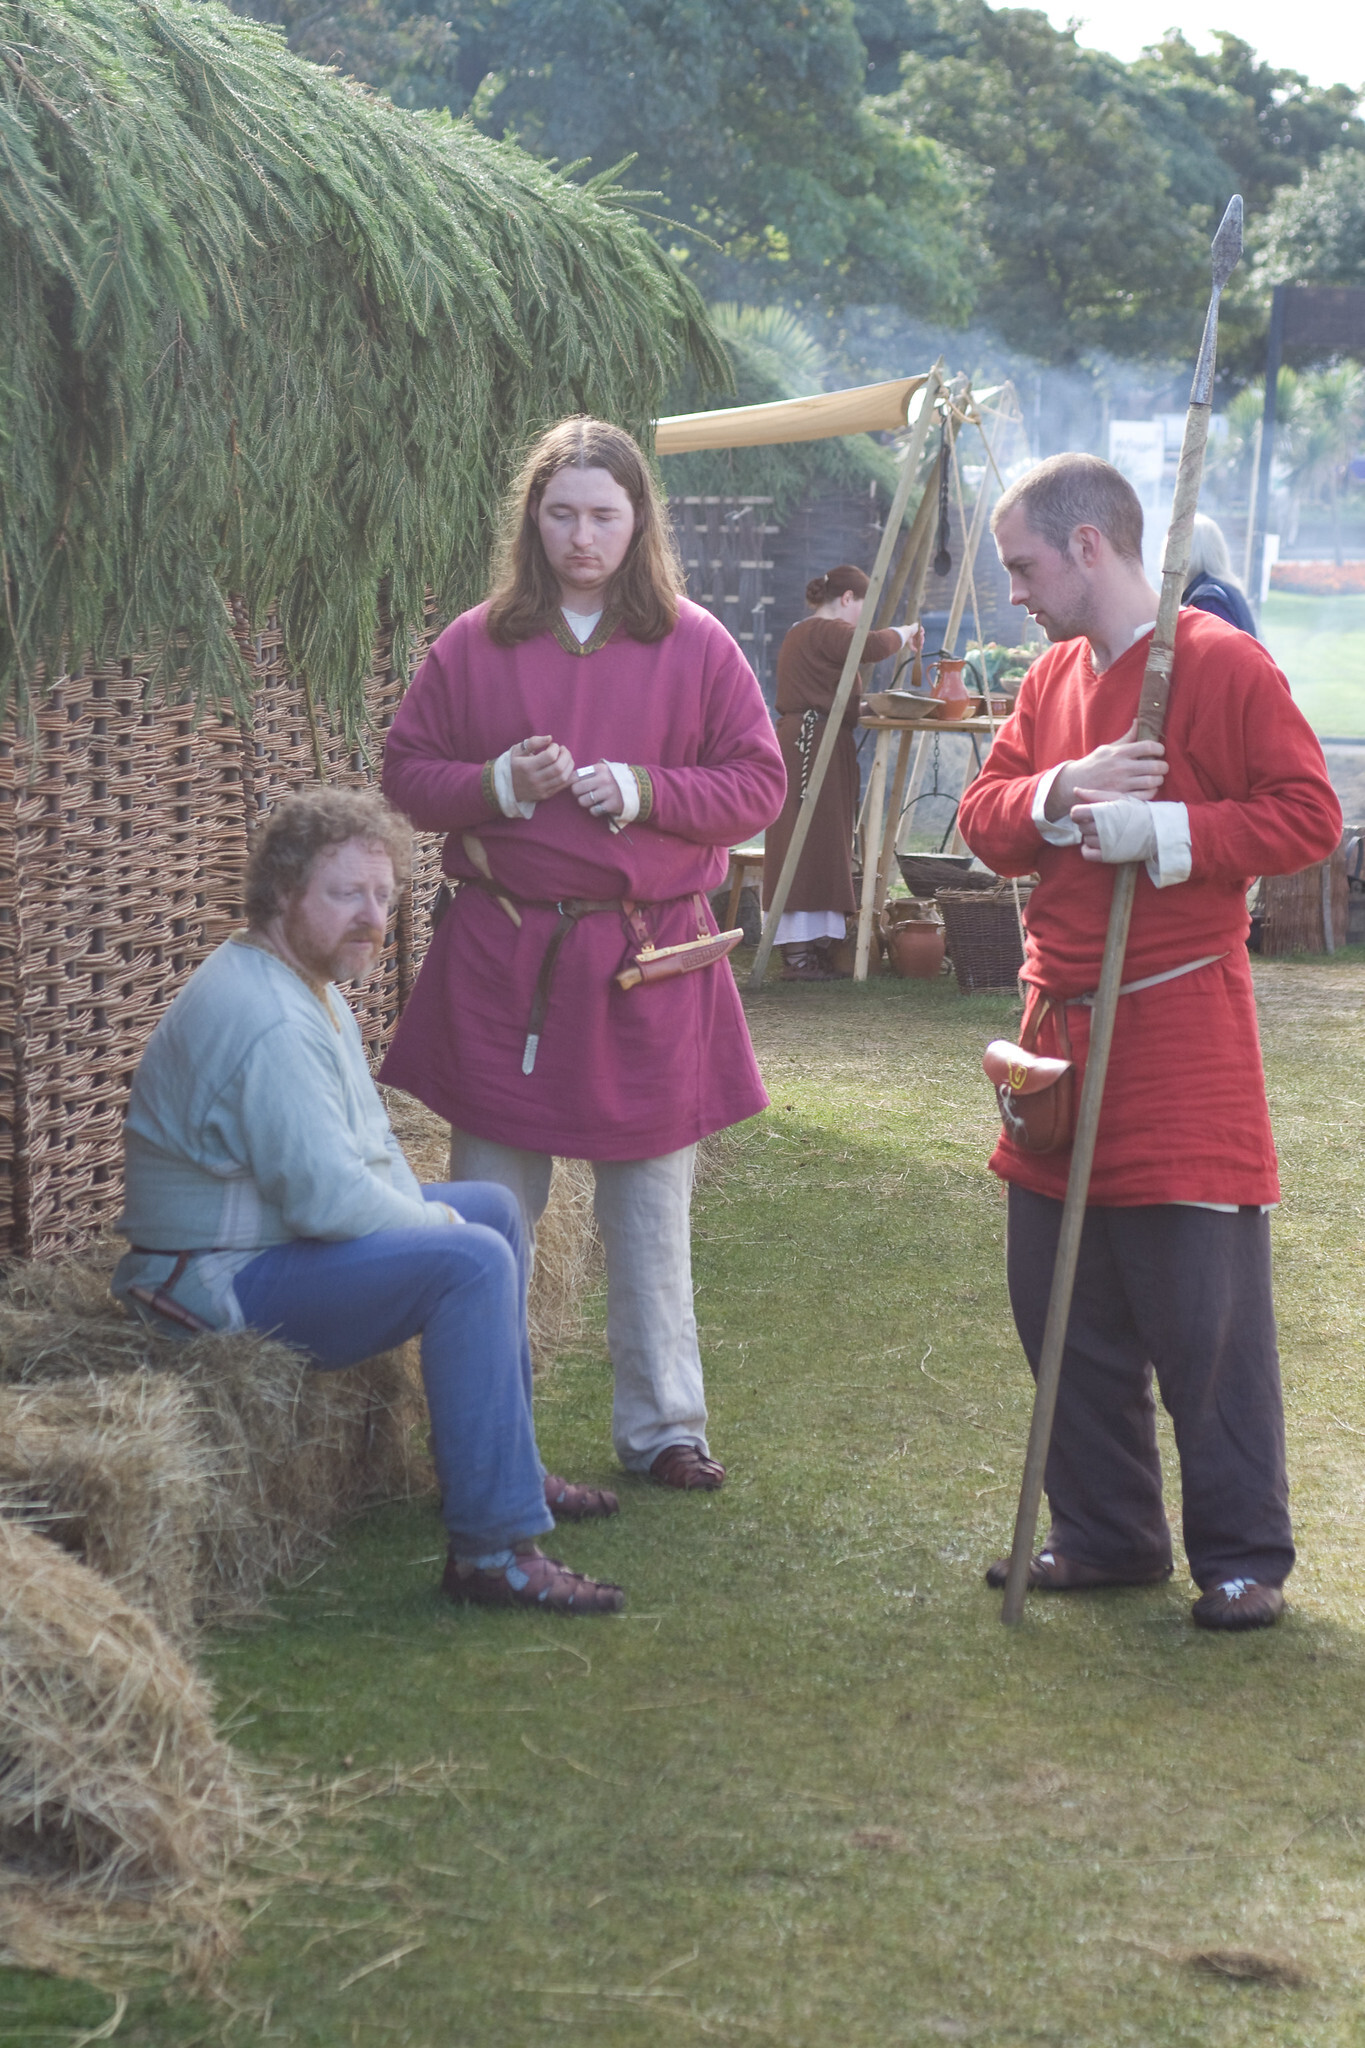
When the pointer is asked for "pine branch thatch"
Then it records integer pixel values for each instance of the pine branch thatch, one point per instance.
(266, 335)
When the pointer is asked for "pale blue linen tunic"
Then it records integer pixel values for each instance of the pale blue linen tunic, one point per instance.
(254, 1119)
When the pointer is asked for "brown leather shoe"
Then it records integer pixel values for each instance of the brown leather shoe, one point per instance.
(1050, 1572)
(683, 1465)
(570, 1503)
(531, 1580)
(1238, 1603)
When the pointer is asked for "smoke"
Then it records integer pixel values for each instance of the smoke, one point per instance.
(1063, 408)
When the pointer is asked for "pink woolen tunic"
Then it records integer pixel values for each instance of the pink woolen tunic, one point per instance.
(619, 1074)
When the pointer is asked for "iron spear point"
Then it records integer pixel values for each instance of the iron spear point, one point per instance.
(1227, 254)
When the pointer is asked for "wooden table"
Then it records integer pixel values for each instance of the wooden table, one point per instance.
(744, 861)
(883, 820)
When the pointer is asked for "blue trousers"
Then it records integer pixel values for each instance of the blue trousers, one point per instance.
(463, 1289)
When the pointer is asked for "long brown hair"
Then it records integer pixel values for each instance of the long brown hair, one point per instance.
(644, 591)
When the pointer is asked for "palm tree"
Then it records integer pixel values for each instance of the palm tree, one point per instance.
(1324, 434)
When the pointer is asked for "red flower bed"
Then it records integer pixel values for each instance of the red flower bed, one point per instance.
(1319, 579)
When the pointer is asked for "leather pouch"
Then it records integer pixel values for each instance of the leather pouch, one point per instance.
(1035, 1091)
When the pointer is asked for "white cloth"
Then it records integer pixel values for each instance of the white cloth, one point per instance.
(801, 927)
(630, 794)
(643, 1209)
(581, 624)
(1169, 856)
(508, 802)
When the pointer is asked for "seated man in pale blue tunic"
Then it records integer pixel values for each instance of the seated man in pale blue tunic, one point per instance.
(264, 1188)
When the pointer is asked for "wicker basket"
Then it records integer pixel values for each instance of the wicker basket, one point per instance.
(982, 932)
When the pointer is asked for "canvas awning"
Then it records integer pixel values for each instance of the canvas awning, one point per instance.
(867, 408)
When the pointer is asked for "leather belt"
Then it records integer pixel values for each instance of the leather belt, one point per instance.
(159, 1299)
(570, 909)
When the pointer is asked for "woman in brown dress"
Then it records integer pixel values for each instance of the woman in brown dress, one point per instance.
(810, 662)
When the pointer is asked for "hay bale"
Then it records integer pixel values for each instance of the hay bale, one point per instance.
(568, 1247)
(120, 1808)
(291, 1451)
(568, 1259)
(118, 1472)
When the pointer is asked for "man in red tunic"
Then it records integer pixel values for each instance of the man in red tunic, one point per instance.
(1174, 1273)
(592, 745)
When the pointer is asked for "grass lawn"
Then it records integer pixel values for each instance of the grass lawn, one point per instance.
(807, 1790)
(1319, 642)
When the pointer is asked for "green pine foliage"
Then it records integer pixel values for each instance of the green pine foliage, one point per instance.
(266, 336)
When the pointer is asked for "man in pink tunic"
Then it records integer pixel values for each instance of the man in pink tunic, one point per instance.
(592, 744)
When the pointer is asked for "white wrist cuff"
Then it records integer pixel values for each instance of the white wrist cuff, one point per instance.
(508, 802)
(1056, 831)
(630, 794)
(1174, 859)
(1130, 829)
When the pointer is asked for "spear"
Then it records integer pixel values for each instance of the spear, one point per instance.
(1156, 686)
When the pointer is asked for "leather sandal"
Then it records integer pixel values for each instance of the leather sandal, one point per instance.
(570, 1503)
(1238, 1603)
(531, 1580)
(684, 1466)
(1050, 1572)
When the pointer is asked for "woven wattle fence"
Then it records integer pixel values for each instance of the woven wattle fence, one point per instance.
(123, 838)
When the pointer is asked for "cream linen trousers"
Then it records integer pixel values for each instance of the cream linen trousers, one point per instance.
(643, 1209)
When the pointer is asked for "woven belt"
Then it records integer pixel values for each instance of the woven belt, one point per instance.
(805, 745)
(1130, 988)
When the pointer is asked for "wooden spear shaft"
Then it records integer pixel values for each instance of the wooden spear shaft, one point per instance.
(834, 721)
(1156, 685)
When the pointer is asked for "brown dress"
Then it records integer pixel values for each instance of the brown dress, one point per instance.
(810, 662)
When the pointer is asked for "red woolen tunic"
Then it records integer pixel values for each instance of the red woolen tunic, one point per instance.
(619, 1074)
(1184, 1116)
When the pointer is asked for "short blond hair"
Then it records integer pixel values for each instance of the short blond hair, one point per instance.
(307, 824)
(1067, 491)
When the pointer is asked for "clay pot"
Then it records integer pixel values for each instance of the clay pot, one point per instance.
(950, 690)
(915, 948)
(844, 952)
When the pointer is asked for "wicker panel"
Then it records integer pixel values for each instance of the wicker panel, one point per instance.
(123, 837)
(1294, 908)
(981, 928)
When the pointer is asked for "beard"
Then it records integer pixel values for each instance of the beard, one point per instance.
(343, 962)
(353, 958)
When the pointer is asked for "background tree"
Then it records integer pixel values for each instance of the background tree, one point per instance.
(748, 117)
(1315, 232)
(1323, 433)
(1086, 244)
(930, 157)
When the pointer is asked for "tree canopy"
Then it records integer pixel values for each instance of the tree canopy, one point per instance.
(936, 156)
(748, 117)
(1097, 185)
(265, 335)
(1315, 232)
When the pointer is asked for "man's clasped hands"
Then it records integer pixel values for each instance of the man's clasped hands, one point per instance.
(1129, 767)
(541, 768)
